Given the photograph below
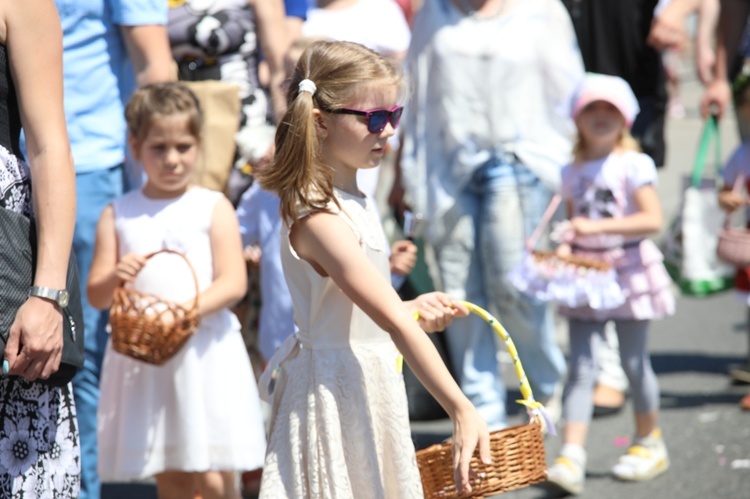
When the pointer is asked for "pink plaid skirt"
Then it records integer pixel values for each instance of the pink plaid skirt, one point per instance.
(643, 279)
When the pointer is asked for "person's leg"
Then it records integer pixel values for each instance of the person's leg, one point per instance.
(470, 341)
(94, 191)
(578, 405)
(217, 485)
(611, 381)
(568, 471)
(175, 485)
(636, 361)
(513, 202)
(647, 457)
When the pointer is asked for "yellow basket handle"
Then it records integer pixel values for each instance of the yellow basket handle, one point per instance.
(534, 408)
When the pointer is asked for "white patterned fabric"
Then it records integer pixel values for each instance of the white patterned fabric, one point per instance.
(200, 411)
(340, 426)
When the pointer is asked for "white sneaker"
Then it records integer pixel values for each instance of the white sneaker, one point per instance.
(568, 473)
(645, 460)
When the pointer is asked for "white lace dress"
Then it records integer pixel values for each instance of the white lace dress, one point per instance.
(340, 426)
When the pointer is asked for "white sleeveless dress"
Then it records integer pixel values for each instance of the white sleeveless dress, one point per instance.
(340, 426)
(200, 411)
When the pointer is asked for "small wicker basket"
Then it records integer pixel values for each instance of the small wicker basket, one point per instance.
(149, 328)
(518, 456)
(577, 260)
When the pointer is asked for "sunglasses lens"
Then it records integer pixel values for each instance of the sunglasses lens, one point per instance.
(377, 121)
(396, 117)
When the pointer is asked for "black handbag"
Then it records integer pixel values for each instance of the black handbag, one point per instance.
(17, 266)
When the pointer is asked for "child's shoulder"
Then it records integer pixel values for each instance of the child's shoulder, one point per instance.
(204, 194)
(632, 157)
(633, 162)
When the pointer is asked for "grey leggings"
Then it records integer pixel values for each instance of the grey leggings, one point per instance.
(585, 338)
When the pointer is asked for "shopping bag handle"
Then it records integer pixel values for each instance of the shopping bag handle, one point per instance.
(710, 134)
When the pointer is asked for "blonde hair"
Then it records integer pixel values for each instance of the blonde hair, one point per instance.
(339, 70)
(162, 99)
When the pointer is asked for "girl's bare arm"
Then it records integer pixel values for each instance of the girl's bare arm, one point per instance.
(646, 221)
(230, 275)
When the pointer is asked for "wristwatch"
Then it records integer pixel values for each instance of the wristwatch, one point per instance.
(59, 296)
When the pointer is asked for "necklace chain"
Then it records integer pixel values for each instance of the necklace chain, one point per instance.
(474, 13)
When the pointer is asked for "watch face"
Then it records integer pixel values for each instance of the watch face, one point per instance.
(63, 298)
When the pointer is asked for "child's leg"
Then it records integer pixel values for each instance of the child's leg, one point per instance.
(611, 381)
(568, 472)
(578, 403)
(217, 485)
(648, 456)
(636, 362)
(175, 485)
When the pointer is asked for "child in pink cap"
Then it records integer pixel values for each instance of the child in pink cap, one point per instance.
(612, 206)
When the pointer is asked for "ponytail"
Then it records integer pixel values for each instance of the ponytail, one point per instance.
(327, 75)
(297, 174)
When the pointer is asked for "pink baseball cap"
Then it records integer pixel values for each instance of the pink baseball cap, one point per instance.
(612, 89)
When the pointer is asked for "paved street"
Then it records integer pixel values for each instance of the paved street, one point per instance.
(707, 435)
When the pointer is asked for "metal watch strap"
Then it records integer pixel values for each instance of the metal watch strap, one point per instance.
(50, 294)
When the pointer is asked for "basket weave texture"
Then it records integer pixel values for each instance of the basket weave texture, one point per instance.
(577, 260)
(518, 460)
(148, 328)
(734, 246)
(517, 453)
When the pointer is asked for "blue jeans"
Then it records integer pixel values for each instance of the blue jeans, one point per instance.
(94, 191)
(485, 235)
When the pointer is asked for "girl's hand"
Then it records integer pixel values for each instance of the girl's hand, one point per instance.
(35, 340)
(564, 250)
(730, 200)
(562, 232)
(252, 254)
(436, 310)
(469, 429)
(129, 266)
(584, 226)
(403, 257)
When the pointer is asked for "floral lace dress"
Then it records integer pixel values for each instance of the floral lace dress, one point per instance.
(340, 424)
(39, 455)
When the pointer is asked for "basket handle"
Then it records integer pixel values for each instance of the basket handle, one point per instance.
(546, 217)
(533, 407)
(190, 266)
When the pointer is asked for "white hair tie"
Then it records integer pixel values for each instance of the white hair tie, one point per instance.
(308, 86)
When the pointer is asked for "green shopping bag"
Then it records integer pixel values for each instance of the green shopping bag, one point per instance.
(689, 245)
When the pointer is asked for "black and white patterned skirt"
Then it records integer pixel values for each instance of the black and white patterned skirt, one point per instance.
(39, 449)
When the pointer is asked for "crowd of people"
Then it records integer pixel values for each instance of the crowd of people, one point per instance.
(258, 134)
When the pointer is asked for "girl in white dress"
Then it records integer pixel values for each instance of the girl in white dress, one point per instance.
(195, 420)
(340, 426)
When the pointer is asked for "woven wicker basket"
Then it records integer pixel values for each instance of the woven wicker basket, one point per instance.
(577, 260)
(149, 328)
(518, 456)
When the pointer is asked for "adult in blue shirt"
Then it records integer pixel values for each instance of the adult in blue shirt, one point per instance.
(109, 46)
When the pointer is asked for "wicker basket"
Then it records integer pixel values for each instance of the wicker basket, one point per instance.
(577, 260)
(518, 456)
(149, 328)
